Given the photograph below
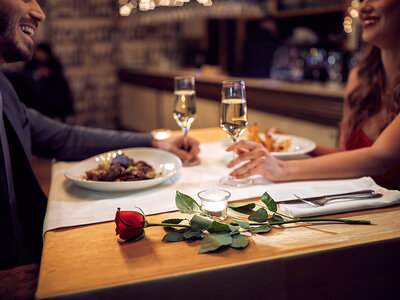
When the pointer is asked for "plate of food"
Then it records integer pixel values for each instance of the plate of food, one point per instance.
(125, 170)
(280, 145)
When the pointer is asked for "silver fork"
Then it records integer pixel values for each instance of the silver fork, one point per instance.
(328, 199)
(306, 201)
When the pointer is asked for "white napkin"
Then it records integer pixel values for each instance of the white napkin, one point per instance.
(285, 191)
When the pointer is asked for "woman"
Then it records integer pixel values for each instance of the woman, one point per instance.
(370, 128)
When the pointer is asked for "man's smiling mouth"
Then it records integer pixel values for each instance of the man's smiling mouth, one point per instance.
(27, 30)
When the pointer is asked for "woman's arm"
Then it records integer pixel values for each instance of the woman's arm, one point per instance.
(321, 150)
(374, 160)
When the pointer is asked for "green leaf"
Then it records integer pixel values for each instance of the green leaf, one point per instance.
(241, 223)
(172, 221)
(186, 204)
(275, 218)
(234, 228)
(261, 215)
(269, 202)
(193, 234)
(198, 223)
(214, 241)
(173, 236)
(181, 230)
(239, 241)
(260, 229)
(242, 205)
(221, 227)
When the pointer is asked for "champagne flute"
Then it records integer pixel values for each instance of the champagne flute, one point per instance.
(233, 120)
(185, 106)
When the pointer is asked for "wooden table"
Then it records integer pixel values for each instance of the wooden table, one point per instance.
(324, 261)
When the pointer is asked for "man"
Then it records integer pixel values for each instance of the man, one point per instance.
(25, 131)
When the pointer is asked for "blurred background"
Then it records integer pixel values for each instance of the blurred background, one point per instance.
(289, 40)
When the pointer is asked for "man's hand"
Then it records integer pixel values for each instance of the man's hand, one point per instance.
(19, 283)
(186, 148)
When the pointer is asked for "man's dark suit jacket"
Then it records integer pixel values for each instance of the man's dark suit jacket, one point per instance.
(30, 132)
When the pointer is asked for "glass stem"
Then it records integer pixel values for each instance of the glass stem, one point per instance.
(185, 133)
(233, 140)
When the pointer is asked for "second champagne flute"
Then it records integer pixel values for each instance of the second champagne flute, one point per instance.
(233, 119)
(184, 104)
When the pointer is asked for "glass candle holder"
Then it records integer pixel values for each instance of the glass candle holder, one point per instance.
(215, 202)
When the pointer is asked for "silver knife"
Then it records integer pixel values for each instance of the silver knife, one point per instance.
(361, 193)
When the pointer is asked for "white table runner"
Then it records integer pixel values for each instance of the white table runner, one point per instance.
(70, 205)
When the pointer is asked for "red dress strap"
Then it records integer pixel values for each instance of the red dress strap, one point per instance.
(358, 139)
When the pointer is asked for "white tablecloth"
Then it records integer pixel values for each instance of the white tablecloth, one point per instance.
(70, 205)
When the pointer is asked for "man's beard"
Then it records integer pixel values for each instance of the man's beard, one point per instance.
(10, 51)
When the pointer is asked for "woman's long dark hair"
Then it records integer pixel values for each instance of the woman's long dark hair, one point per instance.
(367, 98)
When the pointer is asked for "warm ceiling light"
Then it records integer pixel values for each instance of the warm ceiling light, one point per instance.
(125, 10)
(352, 13)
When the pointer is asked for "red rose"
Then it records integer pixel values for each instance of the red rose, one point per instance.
(130, 224)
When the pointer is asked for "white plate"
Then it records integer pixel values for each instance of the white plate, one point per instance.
(162, 161)
(298, 146)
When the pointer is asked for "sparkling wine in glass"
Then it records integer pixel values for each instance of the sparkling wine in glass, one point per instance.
(233, 119)
(185, 105)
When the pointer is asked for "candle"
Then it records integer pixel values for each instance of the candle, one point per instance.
(214, 202)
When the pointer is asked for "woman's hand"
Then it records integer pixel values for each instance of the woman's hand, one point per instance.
(186, 148)
(260, 162)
